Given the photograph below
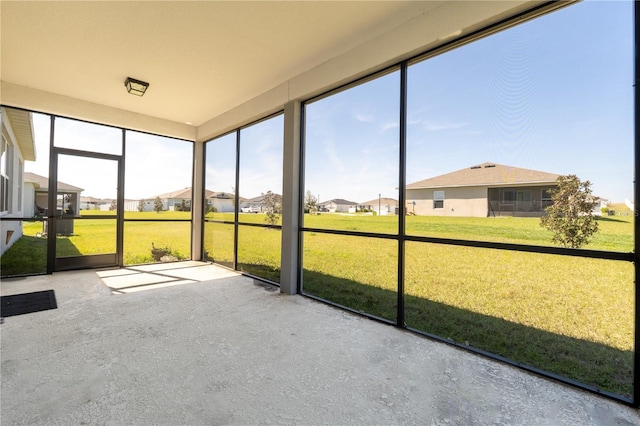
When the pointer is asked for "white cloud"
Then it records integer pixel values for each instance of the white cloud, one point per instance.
(438, 126)
(390, 125)
(362, 117)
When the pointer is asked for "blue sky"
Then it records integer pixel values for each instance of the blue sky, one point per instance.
(554, 94)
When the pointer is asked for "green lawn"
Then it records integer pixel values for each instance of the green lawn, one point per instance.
(98, 236)
(571, 316)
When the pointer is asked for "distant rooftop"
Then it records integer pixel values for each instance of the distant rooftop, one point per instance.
(486, 174)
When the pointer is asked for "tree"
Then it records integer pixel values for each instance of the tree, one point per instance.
(310, 203)
(141, 205)
(273, 207)
(157, 205)
(570, 217)
(113, 205)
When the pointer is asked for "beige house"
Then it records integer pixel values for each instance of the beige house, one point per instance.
(487, 189)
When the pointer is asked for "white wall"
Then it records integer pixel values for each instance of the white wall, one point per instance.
(28, 200)
(12, 230)
(222, 205)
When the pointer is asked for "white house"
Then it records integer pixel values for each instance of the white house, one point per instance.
(338, 205)
(17, 147)
(222, 202)
(382, 206)
(172, 201)
(255, 204)
(93, 203)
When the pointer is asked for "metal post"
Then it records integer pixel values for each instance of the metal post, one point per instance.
(236, 202)
(636, 221)
(402, 200)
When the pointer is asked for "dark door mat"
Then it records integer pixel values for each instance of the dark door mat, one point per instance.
(27, 303)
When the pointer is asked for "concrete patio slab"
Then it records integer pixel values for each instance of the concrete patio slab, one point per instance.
(224, 349)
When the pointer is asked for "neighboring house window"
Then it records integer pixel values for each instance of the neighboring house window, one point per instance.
(508, 197)
(545, 199)
(438, 199)
(4, 172)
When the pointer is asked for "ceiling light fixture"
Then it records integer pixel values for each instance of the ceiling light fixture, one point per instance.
(136, 87)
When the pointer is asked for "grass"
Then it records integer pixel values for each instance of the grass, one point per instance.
(28, 255)
(97, 236)
(571, 316)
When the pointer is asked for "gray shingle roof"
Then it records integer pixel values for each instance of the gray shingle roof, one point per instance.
(183, 194)
(338, 201)
(383, 201)
(486, 174)
(42, 182)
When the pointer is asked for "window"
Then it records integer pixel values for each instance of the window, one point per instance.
(508, 197)
(438, 199)
(242, 208)
(352, 158)
(157, 168)
(476, 117)
(351, 155)
(4, 172)
(545, 199)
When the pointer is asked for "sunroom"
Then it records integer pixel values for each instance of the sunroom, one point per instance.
(298, 102)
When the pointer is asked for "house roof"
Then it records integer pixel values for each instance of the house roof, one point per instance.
(338, 201)
(43, 183)
(22, 126)
(92, 200)
(223, 195)
(182, 194)
(382, 200)
(486, 174)
(259, 198)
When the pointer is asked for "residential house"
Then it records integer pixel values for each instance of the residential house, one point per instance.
(172, 201)
(601, 203)
(68, 205)
(36, 193)
(93, 203)
(338, 205)
(17, 147)
(222, 202)
(255, 204)
(487, 189)
(382, 206)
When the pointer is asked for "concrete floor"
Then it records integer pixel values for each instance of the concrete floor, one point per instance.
(222, 349)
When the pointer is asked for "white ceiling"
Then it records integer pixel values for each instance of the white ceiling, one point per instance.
(200, 58)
